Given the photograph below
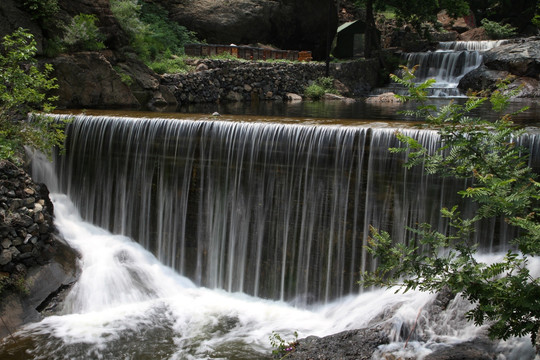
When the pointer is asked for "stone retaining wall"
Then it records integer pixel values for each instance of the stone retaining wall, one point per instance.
(25, 221)
(230, 80)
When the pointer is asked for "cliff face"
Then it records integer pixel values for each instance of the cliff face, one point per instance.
(287, 24)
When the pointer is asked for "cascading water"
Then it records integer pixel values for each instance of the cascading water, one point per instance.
(250, 211)
(447, 65)
(275, 211)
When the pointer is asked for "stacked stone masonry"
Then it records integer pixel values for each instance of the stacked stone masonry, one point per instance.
(230, 80)
(26, 222)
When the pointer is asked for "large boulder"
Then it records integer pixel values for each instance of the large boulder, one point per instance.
(519, 61)
(476, 34)
(477, 349)
(88, 80)
(287, 24)
(348, 345)
(481, 78)
(108, 80)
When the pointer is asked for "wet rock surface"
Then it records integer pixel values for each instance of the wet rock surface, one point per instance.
(471, 350)
(519, 60)
(34, 261)
(348, 345)
(371, 342)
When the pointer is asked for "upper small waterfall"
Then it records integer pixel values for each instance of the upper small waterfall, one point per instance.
(447, 65)
(483, 45)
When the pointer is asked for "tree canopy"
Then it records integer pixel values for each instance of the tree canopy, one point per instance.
(518, 13)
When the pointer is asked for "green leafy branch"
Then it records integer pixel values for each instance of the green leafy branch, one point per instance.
(24, 89)
(505, 295)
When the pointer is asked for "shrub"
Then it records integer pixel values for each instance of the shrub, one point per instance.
(498, 31)
(319, 87)
(53, 47)
(536, 19)
(162, 35)
(23, 89)
(43, 11)
(127, 12)
(314, 91)
(83, 34)
(171, 65)
(157, 40)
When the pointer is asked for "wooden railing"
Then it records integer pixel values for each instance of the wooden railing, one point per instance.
(246, 52)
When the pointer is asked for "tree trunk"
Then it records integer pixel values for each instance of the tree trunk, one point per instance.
(371, 31)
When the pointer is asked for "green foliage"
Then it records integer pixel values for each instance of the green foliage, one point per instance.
(314, 91)
(319, 87)
(125, 77)
(43, 11)
(15, 282)
(54, 47)
(505, 295)
(227, 56)
(417, 12)
(281, 60)
(83, 34)
(498, 31)
(127, 12)
(163, 33)
(169, 64)
(23, 89)
(536, 18)
(282, 348)
(158, 40)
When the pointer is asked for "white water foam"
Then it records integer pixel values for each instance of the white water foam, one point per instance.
(128, 305)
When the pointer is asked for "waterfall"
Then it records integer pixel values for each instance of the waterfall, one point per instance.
(272, 210)
(447, 65)
(250, 208)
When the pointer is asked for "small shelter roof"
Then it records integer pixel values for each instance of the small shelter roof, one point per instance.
(355, 26)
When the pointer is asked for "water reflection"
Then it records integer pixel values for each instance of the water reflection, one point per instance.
(316, 111)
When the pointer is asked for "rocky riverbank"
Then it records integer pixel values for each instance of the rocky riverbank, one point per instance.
(34, 262)
(518, 60)
(373, 341)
